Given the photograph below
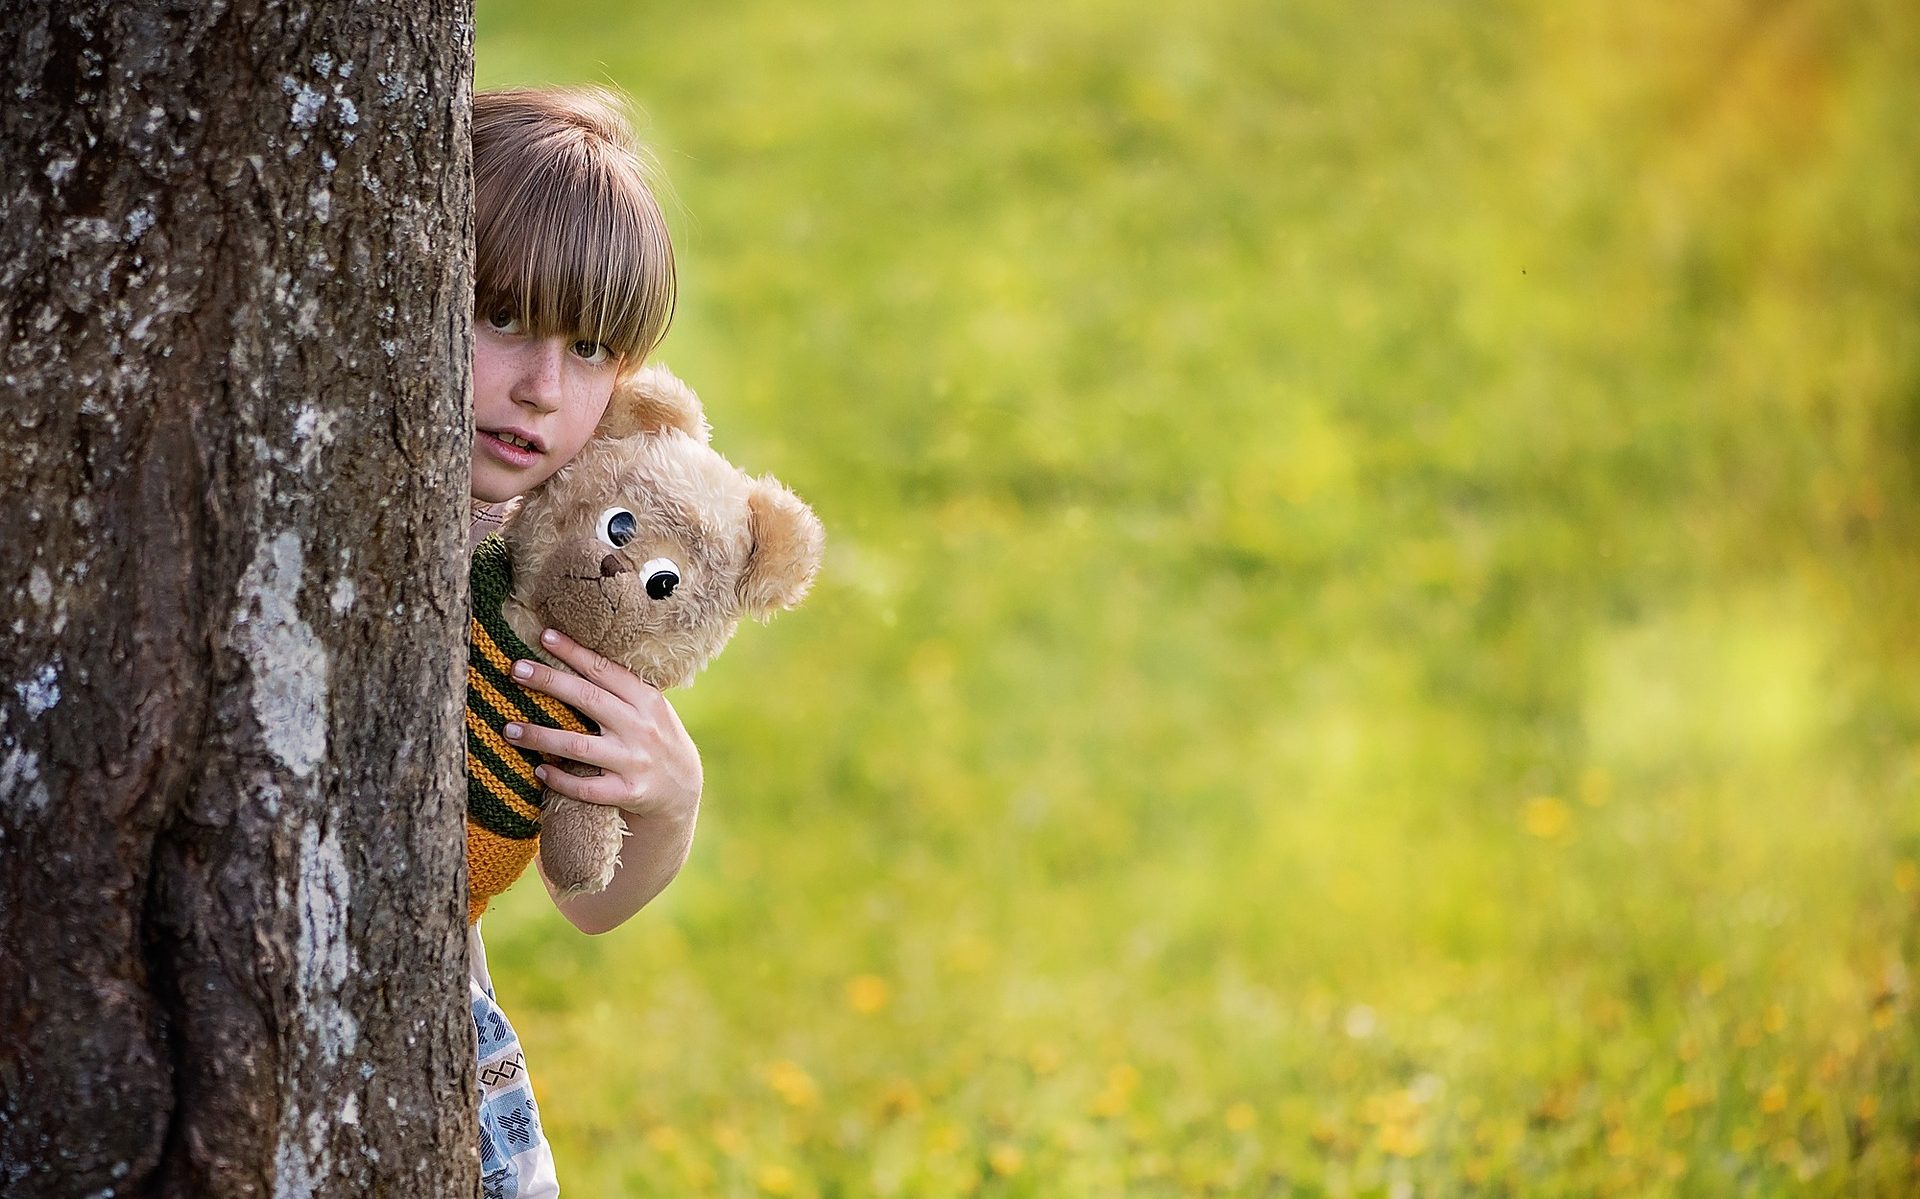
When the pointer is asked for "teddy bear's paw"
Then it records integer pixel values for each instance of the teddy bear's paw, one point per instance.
(579, 845)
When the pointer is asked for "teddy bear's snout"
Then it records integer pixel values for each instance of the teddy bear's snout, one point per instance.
(614, 564)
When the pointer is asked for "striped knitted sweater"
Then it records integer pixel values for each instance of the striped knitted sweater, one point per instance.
(503, 796)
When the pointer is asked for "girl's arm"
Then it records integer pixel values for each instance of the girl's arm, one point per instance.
(650, 857)
(649, 769)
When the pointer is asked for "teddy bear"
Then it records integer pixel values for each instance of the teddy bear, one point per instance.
(648, 547)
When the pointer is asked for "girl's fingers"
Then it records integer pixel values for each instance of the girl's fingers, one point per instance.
(594, 667)
(580, 747)
(568, 688)
(606, 789)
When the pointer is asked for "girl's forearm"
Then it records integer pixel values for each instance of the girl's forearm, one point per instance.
(652, 853)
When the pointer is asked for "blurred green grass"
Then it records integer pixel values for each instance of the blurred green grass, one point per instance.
(1368, 639)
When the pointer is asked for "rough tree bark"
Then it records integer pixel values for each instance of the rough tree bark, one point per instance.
(233, 288)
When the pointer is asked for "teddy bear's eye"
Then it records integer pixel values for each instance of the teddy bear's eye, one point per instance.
(662, 577)
(617, 527)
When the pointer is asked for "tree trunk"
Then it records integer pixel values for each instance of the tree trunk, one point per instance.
(234, 288)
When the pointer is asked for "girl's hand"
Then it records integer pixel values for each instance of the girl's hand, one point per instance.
(648, 764)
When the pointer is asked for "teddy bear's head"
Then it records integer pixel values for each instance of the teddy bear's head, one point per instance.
(649, 546)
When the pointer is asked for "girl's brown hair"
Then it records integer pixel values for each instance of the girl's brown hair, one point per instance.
(567, 234)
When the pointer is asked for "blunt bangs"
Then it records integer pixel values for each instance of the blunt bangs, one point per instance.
(567, 233)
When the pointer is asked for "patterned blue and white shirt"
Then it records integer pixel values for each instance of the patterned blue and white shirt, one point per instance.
(515, 1160)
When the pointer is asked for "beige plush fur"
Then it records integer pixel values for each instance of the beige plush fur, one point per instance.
(742, 547)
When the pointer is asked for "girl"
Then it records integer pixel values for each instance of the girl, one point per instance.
(573, 285)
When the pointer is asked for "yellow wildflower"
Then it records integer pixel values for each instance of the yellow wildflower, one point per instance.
(1558, 1104)
(1240, 1117)
(793, 1084)
(775, 1180)
(969, 954)
(868, 993)
(662, 1138)
(945, 1137)
(728, 1139)
(1402, 1140)
(1546, 817)
(900, 1098)
(1113, 1099)
(697, 1172)
(1006, 1159)
(1678, 1100)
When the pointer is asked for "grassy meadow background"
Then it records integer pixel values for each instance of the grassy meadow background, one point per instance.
(1370, 639)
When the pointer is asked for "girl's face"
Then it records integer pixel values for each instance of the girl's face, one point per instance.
(536, 401)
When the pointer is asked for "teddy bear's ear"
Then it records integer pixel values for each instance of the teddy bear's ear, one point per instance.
(787, 540)
(653, 400)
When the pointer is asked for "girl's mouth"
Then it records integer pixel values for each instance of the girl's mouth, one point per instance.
(513, 451)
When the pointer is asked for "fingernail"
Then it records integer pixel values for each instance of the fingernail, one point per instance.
(550, 638)
(512, 732)
(540, 772)
(523, 670)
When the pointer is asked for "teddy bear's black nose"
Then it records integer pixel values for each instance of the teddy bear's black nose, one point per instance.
(613, 564)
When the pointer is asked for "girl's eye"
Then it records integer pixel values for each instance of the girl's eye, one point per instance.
(591, 351)
(617, 527)
(504, 320)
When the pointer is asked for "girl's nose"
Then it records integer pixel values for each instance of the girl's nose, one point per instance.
(539, 382)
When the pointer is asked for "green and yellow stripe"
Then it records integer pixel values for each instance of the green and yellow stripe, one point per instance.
(504, 798)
